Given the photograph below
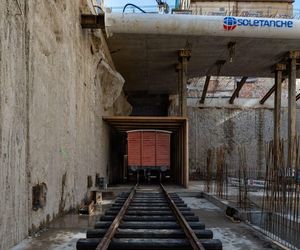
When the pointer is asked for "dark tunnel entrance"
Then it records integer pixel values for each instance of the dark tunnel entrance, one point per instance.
(118, 169)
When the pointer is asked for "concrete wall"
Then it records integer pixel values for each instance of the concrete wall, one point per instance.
(56, 83)
(264, 9)
(211, 127)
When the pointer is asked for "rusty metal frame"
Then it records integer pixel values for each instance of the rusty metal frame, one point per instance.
(104, 244)
(191, 236)
(238, 88)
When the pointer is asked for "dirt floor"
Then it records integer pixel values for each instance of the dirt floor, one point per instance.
(63, 233)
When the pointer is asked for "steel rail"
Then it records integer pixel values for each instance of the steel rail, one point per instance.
(104, 243)
(191, 236)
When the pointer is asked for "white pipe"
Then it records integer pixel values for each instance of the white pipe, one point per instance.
(195, 25)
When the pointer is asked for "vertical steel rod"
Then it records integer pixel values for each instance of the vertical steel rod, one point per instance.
(277, 109)
(292, 108)
(205, 88)
(183, 56)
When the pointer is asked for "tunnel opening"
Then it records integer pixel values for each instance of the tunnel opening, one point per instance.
(120, 172)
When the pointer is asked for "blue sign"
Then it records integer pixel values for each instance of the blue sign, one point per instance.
(230, 23)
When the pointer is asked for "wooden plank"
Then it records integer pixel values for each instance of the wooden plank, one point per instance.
(205, 88)
(238, 88)
(134, 149)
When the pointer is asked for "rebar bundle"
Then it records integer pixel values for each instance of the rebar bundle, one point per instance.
(243, 200)
(280, 204)
(219, 172)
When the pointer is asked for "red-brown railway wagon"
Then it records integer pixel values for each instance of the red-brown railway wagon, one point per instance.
(149, 149)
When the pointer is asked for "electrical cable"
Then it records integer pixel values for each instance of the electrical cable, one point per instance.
(131, 4)
(98, 7)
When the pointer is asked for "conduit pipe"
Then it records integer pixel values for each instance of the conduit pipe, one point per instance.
(196, 25)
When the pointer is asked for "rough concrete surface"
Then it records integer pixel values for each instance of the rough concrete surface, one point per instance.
(53, 79)
(234, 236)
(231, 128)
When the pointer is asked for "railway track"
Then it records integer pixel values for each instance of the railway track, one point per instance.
(149, 219)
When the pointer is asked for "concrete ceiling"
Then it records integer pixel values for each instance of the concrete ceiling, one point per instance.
(147, 61)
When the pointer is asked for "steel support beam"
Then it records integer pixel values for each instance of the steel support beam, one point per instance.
(279, 68)
(183, 57)
(238, 88)
(269, 93)
(180, 94)
(292, 107)
(207, 80)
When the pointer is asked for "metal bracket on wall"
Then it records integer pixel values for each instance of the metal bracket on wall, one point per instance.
(89, 21)
(184, 53)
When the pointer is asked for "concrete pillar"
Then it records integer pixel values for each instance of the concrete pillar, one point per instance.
(292, 108)
(184, 56)
(277, 108)
(180, 92)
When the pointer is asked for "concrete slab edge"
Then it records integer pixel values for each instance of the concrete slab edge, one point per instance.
(223, 206)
